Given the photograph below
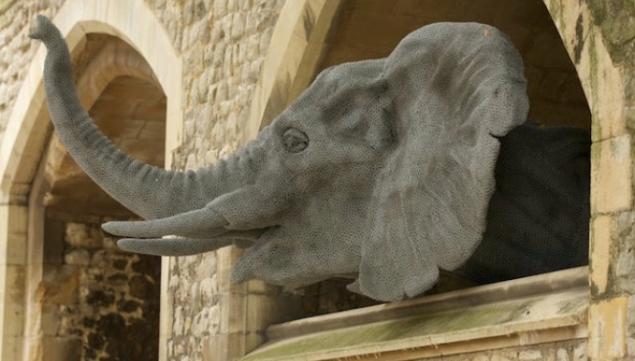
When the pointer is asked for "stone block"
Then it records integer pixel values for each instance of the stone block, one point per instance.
(580, 352)
(601, 231)
(13, 238)
(60, 286)
(208, 291)
(608, 328)
(530, 355)
(611, 175)
(62, 348)
(82, 235)
(12, 299)
(562, 355)
(77, 257)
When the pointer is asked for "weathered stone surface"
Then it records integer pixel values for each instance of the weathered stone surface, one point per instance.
(558, 351)
(78, 257)
(80, 235)
(607, 338)
(101, 296)
(213, 38)
(611, 175)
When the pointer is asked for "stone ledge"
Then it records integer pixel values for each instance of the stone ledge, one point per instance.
(533, 310)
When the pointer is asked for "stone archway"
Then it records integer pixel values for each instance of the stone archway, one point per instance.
(84, 296)
(24, 140)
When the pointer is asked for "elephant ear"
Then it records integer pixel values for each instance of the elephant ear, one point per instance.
(456, 87)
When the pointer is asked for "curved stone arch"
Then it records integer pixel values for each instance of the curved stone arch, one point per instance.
(24, 141)
(131, 21)
(113, 61)
(604, 80)
(297, 43)
(601, 78)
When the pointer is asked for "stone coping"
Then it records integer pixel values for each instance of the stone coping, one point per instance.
(532, 310)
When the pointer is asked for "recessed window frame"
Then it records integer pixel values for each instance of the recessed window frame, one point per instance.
(265, 105)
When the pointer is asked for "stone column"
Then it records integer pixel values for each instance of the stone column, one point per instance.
(599, 37)
(13, 247)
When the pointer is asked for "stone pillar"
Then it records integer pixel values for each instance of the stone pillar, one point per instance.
(13, 247)
(599, 37)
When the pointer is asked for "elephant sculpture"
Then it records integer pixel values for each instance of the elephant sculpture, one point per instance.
(384, 171)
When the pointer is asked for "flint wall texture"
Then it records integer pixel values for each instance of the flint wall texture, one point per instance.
(98, 302)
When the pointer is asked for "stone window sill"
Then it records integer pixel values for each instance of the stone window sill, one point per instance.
(545, 308)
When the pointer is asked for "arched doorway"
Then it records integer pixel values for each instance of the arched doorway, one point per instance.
(85, 297)
(27, 131)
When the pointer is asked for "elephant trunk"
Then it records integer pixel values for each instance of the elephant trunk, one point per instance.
(148, 191)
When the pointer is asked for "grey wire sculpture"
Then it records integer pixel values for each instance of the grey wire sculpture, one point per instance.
(382, 171)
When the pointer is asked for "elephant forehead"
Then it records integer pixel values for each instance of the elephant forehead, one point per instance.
(345, 80)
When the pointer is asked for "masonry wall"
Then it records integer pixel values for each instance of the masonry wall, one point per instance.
(99, 303)
(223, 44)
(16, 49)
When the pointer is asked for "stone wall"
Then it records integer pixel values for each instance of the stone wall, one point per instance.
(16, 49)
(600, 38)
(223, 44)
(101, 303)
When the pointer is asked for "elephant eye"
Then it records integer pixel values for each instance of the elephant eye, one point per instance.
(294, 140)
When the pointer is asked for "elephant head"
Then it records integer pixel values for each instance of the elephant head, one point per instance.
(381, 170)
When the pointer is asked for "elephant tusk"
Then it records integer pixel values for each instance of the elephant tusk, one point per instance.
(175, 246)
(200, 223)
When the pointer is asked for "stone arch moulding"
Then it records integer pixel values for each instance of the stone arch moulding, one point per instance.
(25, 137)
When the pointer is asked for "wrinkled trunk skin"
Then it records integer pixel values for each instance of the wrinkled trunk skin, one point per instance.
(148, 191)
